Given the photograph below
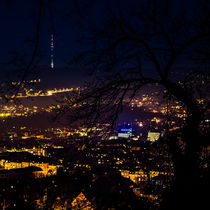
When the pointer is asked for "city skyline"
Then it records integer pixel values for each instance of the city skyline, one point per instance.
(104, 104)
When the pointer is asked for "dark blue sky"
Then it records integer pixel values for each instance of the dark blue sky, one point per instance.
(18, 21)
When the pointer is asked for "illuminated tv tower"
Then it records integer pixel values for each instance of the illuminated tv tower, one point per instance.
(51, 54)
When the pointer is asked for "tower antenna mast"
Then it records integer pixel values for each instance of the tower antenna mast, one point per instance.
(52, 52)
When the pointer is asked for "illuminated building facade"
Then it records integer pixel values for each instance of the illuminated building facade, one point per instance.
(153, 136)
(125, 132)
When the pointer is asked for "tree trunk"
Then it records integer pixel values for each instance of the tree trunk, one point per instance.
(186, 163)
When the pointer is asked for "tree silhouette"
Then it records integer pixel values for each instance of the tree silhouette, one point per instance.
(120, 47)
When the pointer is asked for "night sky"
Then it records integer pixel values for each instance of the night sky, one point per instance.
(18, 21)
